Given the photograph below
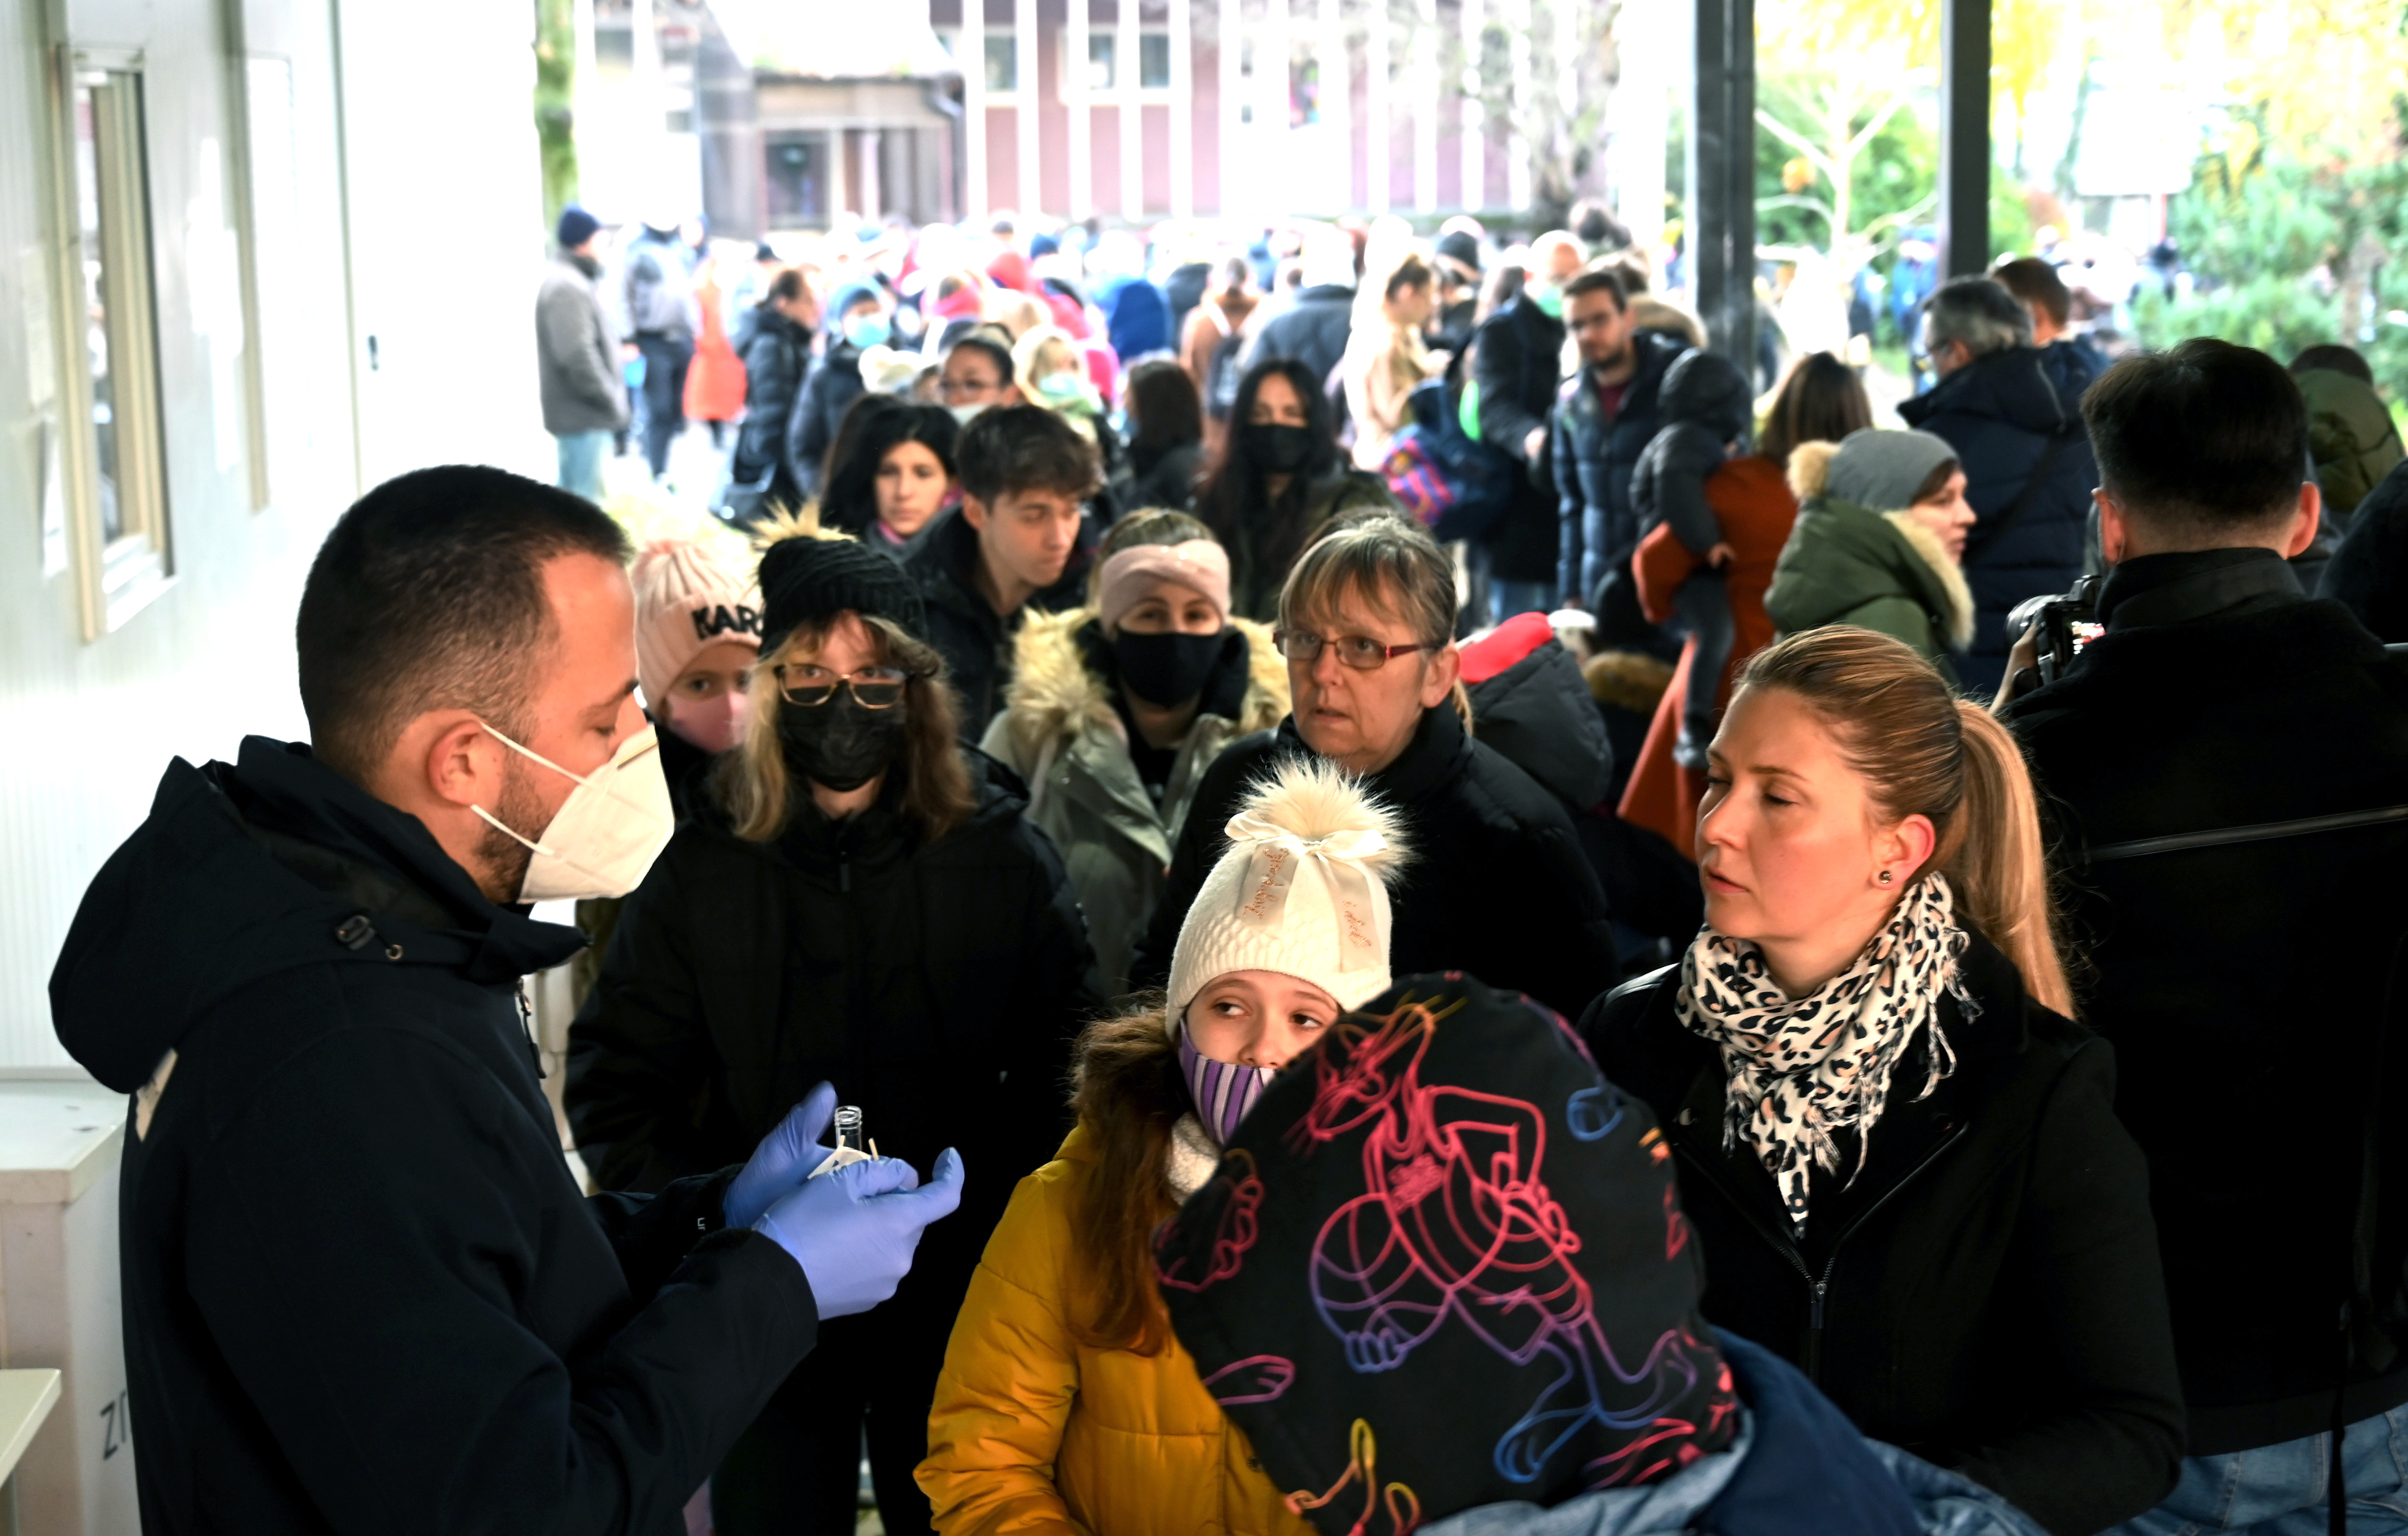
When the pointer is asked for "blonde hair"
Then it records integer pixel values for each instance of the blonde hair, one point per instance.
(759, 791)
(1924, 751)
(1040, 351)
(1391, 566)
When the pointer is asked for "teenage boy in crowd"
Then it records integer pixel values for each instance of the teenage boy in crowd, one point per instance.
(2224, 765)
(1015, 540)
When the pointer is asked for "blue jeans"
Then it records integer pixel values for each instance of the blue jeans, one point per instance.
(581, 462)
(1508, 597)
(2281, 1490)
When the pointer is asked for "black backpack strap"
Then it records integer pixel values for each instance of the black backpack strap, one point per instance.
(1988, 531)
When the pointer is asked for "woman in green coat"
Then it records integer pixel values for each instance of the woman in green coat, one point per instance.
(1878, 543)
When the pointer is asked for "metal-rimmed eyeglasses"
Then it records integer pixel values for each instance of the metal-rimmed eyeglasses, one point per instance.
(872, 688)
(1359, 651)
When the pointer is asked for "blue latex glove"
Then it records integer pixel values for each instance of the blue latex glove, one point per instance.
(854, 1230)
(785, 1158)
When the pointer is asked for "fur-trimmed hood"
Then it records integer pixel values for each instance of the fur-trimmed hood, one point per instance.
(1809, 468)
(1054, 692)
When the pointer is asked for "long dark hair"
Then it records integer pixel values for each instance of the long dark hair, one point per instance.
(1821, 401)
(873, 425)
(1165, 412)
(1232, 501)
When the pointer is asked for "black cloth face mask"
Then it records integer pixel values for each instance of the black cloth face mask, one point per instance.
(838, 744)
(1166, 669)
(1279, 449)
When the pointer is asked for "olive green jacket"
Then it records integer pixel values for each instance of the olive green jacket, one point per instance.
(1879, 571)
(2350, 437)
(1061, 732)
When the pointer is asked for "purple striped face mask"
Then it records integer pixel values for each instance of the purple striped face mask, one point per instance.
(1223, 1092)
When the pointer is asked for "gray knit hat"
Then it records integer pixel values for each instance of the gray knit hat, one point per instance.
(1881, 470)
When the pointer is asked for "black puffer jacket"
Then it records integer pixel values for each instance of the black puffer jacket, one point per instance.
(1986, 1292)
(975, 641)
(834, 385)
(1999, 412)
(1312, 331)
(1498, 885)
(361, 1290)
(1514, 358)
(938, 987)
(1595, 461)
(2369, 574)
(1705, 404)
(777, 353)
(2218, 698)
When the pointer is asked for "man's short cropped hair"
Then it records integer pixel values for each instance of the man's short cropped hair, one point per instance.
(1979, 312)
(1010, 451)
(2208, 438)
(2035, 282)
(1598, 280)
(429, 594)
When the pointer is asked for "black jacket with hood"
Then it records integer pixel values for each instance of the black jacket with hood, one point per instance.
(362, 1290)
(829, 391)
(1986, 1291)
(1705, 406)
(777, 353)
(939, 986)
(1312, 331)
(1514, 362)
(942, 562)
(1498, 885)
(2000, 412)
(2246, 985)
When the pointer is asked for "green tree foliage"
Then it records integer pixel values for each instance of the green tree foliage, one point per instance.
(556, 127)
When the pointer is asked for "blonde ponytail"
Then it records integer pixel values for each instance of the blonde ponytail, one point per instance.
(1924, 751)
(2001, 870)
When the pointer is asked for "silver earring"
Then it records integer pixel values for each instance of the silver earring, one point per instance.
(1885, 877)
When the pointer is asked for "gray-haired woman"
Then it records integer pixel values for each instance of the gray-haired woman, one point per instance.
(1501, 888)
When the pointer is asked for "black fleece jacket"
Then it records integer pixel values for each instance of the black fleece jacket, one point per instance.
(362, 1292)
(1498, 886)
(1986, 1292)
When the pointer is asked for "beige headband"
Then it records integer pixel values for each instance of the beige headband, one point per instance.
(1200, 565)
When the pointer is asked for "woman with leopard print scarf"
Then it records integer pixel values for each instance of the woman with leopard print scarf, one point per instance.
(1898, 1149)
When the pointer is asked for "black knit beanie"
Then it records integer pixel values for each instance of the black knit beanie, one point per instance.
(1443, 1264)
(807, 580)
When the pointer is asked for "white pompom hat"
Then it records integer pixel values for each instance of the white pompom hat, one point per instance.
(1301, 890)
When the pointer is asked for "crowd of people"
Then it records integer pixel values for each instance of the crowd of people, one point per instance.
(1427, 915)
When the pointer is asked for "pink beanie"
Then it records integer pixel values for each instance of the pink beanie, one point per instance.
(688, 594)
(1200, 565)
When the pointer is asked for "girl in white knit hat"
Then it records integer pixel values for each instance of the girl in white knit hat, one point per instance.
(697, 636)
(1065, 1400)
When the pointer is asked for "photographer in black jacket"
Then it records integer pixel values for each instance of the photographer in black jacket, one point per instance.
(2211, 759)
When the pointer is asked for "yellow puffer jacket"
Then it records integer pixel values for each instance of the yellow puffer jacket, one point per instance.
(1034, 1434)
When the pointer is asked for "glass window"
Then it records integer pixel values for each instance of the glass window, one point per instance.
(1153, 61)
(1103, 61)
(1002, 61)
(122, 496)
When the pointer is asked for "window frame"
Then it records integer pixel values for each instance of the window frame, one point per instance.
(115, 577)
(1108, 34)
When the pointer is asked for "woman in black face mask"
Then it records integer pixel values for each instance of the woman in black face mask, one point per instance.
(871, 909)
(1115, 709)
(1280, 481)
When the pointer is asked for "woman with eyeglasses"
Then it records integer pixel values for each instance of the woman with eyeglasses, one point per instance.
(1500, 886)
(872, 910)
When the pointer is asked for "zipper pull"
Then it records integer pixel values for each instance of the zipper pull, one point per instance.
(1814, 1320)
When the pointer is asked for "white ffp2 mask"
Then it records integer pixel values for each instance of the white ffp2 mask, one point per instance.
(606, 835)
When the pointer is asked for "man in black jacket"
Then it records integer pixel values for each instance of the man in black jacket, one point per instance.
(2211, 761)
(362, 1290)
(1604, 417)
(1497, 885)
(1017, 539)
(2016, 425)
(1515, 366)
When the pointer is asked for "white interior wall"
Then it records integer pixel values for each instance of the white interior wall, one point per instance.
(431, 104)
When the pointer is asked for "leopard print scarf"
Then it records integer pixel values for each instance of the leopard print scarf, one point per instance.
(1801, 1070)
